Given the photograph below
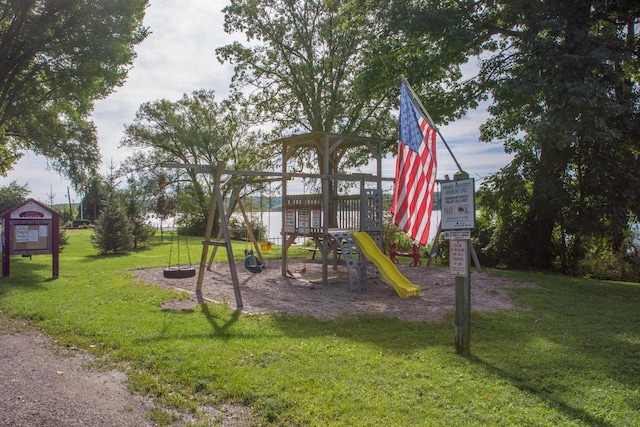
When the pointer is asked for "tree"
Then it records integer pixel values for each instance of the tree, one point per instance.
(329, 66)
(12, 195)
(428, 43)
(567, 108)
(113, 232)
(195, 130)
(562, 80)
(301, 66)
(136, 207)
(58, 57)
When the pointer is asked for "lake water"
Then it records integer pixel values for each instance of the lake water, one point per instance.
(273, 224)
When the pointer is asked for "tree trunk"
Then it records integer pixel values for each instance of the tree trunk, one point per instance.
(544, 208)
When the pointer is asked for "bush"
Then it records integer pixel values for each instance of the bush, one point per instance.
(602, 264)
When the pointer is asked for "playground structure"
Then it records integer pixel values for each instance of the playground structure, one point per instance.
(327, 218)
(324, 221)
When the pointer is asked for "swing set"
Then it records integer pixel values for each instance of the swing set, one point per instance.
(253, 262)
(178, 271)
(315, 216)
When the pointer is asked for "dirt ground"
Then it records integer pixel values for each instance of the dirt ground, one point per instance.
(42, 384)
(269, 291)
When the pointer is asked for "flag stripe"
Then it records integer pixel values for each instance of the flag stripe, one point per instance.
(415, 178)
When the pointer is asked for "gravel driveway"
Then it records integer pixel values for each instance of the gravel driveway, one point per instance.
(42, 385)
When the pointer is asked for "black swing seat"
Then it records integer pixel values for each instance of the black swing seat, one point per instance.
(179, 272)
(252, 263)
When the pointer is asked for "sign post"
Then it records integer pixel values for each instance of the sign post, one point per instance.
(458, 215)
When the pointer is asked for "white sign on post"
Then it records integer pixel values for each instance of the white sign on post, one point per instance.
(289, 220)
(458, 264)
(304, 221)
(458, 205)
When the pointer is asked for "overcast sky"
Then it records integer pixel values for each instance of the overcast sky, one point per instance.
(178, 57)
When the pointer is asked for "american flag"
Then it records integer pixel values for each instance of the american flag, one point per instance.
(415, 179)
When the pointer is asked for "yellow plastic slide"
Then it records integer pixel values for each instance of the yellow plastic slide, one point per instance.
(389, 271)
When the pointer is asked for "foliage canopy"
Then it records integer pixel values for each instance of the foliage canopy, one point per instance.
(196, 129)
(328, 66)
(562, 82)
(58, 57)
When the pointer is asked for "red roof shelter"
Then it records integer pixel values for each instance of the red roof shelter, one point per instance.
(30, 228)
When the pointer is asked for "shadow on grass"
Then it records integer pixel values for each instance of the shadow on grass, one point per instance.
(579, 335)
(390, 334)
(220, 331)
(221, 323)
(545, 395)
(27, 273)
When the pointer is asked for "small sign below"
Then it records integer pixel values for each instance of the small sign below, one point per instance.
(458, 259)
(457, 235)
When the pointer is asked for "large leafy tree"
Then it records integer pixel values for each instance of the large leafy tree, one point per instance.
(562, 81)
(563, 77)
(195, 130)
(305, 67)
(300, 64)
(58, 57)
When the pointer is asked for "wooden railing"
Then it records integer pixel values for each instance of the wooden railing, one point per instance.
(346, 208)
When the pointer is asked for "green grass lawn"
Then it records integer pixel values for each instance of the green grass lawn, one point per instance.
(570, 357)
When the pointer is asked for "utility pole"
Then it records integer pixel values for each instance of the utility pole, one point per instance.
(70, 207)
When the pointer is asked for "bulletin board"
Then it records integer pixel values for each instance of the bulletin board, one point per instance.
(30, 228)
(30, 238)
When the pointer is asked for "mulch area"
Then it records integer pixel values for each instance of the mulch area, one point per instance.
(271, 292)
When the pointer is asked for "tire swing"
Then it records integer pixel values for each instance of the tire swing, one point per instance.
(178, 271)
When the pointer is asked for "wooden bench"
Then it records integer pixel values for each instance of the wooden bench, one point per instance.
(313, 250)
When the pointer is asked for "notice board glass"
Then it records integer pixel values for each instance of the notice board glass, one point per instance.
(30, 238)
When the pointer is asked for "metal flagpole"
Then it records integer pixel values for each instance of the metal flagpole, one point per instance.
(430, 120)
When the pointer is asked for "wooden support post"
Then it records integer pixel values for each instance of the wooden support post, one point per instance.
(208, 229)
(463, 310)
(227, 239)
(234, 196)
(217, 203)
